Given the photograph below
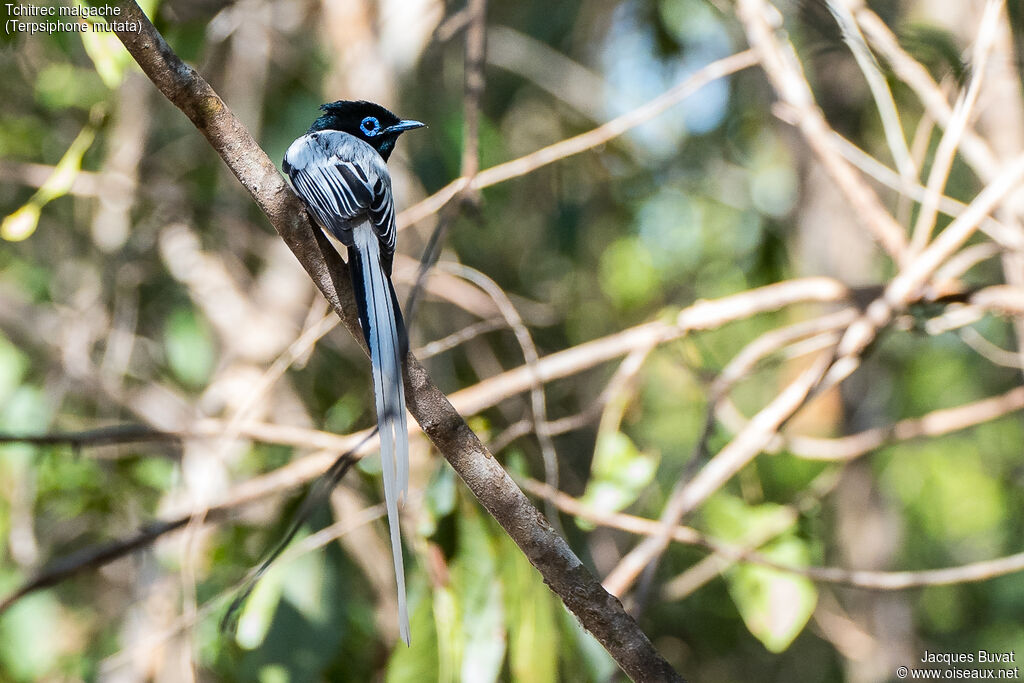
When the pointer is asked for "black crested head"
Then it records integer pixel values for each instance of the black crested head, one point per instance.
(367, 121)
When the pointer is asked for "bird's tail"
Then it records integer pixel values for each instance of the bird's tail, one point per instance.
(385, 334)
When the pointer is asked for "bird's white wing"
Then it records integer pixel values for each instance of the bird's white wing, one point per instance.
(344, 182)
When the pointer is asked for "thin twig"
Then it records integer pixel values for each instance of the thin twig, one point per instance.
(1006, 236)
(905, 286)
(101, 436)
(702, 315)
(974, 148)
(459, 337)
(855, 578)
(778, 58)
(579, 143)
(884, 101)
(538, 403)
(991, 352)
(935, 423)
(942, 161)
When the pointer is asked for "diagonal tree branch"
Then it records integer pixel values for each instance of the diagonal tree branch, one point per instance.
(599, 612)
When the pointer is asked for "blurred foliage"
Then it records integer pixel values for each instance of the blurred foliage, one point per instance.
(704, 201)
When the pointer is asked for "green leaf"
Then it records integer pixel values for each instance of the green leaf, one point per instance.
(62, 85)
(155, 473)
(419, 661)
(12, 368)
(439, 501)
(305, 585)
(952, 491)
(274, 673)
(449, 640)
(28, 650)
(531, 613)
(474, 577)
(618, 474)
(22, 223)
(598, 664)
(26, 411)
(628, 275)
(107, 54)
(467, 638)
(299, 580)
(190, 349)
(258, 611)
(441, 494)
(730, 519)
(775, 605)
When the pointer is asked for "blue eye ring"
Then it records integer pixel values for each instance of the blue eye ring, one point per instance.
(370, 126)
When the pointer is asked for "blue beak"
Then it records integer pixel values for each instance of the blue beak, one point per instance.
(403, 126)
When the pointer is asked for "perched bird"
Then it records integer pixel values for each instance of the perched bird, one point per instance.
(338, 169)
